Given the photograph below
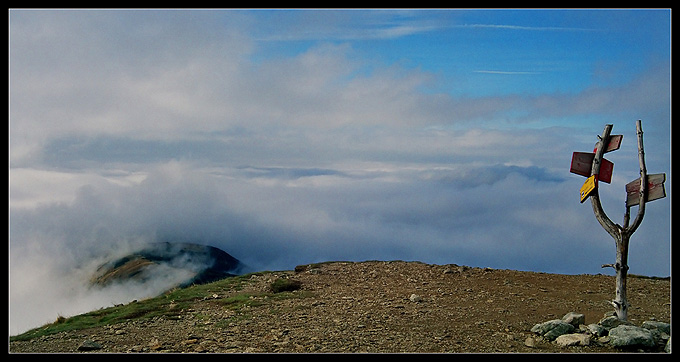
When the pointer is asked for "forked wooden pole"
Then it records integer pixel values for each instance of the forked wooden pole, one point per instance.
(621, 234)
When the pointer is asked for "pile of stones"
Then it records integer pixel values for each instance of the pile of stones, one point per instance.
(572, 331)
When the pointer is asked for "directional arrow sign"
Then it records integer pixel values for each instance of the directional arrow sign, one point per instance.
(582, 162)
(614, 143)
(655, 189)
(588, 187)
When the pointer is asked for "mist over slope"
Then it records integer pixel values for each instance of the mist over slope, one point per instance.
(201, 264)
(49, 288)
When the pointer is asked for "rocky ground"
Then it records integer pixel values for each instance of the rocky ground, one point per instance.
(377, 307)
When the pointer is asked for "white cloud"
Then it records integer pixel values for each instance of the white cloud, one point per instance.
(506, 72)
(518, 27)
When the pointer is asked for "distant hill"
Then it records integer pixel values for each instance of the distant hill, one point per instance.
(201, 263)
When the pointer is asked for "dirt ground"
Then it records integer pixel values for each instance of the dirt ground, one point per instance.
(379, 307)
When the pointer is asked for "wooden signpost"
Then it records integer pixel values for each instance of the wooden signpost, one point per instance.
(638, 192)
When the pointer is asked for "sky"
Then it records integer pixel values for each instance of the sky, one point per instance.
(290, 136)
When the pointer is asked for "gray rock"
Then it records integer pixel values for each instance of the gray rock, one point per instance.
(573, 339)
(655, 325)
(612, 322)
(543, 328)
(89, 345)
(628, 336)
(603, 340)
(552, 329)
(530, 342)
(596, 330)
(575, 319)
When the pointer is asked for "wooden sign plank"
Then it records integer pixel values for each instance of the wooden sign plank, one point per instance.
(614, 143)
(606, 171)
(582, 162)
(655, 189)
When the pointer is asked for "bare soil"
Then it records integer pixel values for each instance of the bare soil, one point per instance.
(367, 307)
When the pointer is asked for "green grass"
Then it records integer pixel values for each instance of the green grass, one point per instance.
(285, 285)
(171, 304)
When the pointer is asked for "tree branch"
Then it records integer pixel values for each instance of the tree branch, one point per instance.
(643, 182)
(612, 228)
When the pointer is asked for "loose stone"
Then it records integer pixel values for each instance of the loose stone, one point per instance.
(626, 336)
(573, 339)
(89, 345)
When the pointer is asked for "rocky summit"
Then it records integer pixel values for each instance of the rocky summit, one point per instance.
(370, 306)
(200, 263)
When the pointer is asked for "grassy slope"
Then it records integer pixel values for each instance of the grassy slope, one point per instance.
(170, 304)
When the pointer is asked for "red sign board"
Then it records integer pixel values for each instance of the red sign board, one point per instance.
(614, 143)
(582, 162)
(655, 189)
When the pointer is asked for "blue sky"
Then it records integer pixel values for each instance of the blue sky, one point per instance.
(288, 137)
